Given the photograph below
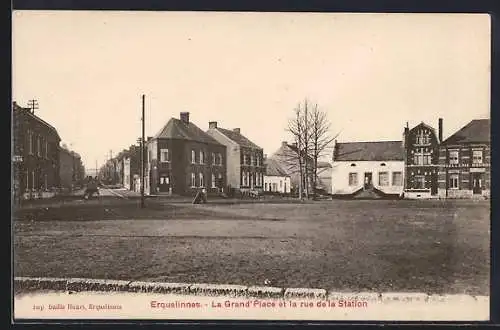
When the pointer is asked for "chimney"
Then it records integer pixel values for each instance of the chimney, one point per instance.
(185, 117)
(440, 130)
(149, 138)
(236, 130)
(212, 124)
(294, 144)
(284, 144)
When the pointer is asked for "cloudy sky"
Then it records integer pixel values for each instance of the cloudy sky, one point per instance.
(371, 73)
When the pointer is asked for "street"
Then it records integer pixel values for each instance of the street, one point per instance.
(429, 246)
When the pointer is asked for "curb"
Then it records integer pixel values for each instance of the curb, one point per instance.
(30, 284)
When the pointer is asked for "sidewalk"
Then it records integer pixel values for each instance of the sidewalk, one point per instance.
(88, 298)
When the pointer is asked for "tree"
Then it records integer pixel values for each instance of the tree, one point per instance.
(310, 129)
(320, 139)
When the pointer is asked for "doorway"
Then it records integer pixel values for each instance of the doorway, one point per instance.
(164, 183)
(476, 183)
(368, 180)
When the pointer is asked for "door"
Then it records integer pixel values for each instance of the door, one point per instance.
(164, 183)
(368, 180)
(476, 183)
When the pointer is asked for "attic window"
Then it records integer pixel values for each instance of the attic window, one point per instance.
(382, 164)
(353, 164)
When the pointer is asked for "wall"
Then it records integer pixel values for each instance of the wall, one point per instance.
(283, 188)
(252, 168)
(233, 171)
(341, 170)
(179, 168)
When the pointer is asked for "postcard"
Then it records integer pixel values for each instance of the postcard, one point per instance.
(251, 166)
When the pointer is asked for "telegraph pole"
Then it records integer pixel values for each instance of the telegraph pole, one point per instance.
(142, 153)
(33, 105)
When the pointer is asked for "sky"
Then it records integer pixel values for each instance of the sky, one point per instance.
(371, 73)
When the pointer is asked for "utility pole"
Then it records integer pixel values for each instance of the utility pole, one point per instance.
(142, 154)
(33, 105)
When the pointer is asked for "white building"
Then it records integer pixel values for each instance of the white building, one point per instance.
(126, 173)
(275, 179)
(368, 169)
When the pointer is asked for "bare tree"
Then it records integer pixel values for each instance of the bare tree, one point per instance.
(291, 156)
(320, 140)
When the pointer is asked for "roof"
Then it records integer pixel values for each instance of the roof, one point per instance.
(28, 112)
(273, 168)
(238, 138)
(476, 131)
(369, 151)
(176, 129)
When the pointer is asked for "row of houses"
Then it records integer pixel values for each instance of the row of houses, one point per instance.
(40, 166)
(182, 158)
(421, 165)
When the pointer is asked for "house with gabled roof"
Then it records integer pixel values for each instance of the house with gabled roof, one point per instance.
(182, 159)
(245, 166)
(276, 179)
(465, 163)
(368, 169)
(421, 145)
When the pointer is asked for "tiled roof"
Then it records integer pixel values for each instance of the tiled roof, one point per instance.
(176, 129)
(369, 151)
(273, 168)
(477, 131)
(238, 138)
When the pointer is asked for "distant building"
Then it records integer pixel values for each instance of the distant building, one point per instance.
(71, 170)
(276, 180)
(182, 159)
(324, 180)
(421, 160)
(368, 169)
(35, 154)
(287, 157)
(465, 163)
(245, 168)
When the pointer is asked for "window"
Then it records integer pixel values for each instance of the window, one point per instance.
(214, 160)
(27, 180)
(419, 182)
(353, 179)
(281, 183)
(353, 165)
(477, 156)
(251, 160)
(453, 157)
(202, 180)
(38, 146)
(244, 183)
(453, 181)
(193, 180)
(383, 178)
(427, 159)
(193, 157)
(164, 155)
(397, 178)
(46, 149)
(213, 180)
(417, 159)
(202, 156)
(32, 179)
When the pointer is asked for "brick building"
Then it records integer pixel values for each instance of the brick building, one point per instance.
(245, 159)
(465, 164)
(35, 154)
(71, 169)
(421, 147)
(182, 159)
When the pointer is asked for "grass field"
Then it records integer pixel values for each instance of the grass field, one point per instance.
(428, 246)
